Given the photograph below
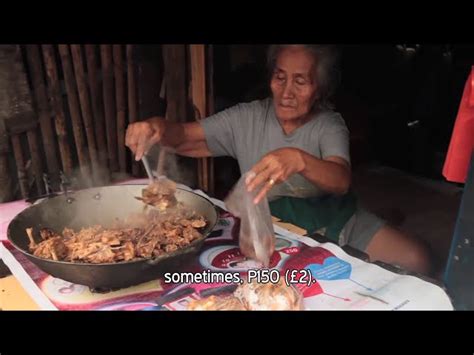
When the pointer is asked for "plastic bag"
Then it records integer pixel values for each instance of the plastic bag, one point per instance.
(256, 237)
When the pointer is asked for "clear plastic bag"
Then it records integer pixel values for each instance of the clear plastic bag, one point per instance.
(256, 237)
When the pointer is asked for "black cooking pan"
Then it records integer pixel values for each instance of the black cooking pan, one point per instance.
(103, 206)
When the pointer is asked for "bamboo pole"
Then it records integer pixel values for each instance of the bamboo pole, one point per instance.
(210, 106)
(74, 109)
(121, 105)
(6, 193)
(57, 105)
(20, 165)
(109, 106)
(132, 97)
(97, 107)
(84, 101)
(44, 114)
(36, 160)
(198, 93)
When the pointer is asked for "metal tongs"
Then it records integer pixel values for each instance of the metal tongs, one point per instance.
(148, 170)
(160, 187)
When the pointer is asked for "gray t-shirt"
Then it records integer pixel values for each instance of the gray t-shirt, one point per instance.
(248, 131)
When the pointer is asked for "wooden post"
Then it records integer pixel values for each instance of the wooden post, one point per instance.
(36, 160)
(86, 108)
(57, 105)
(44, 114)
(108, 91)
(7, 53)
(177, 98)
(132, 97)
(16, 116)
(198, 93)
(121, 105)
(74, 109)
(210, 106)
(174, 58)
(20, 165)
(97, 107)
(6, 193)
(17, 125)
(149, 79)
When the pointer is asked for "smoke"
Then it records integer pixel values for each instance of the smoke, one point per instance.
(171, 165)
(95, 175)
(90, 176)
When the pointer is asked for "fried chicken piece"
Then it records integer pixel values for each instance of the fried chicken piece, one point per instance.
(171, 247)
(47, 233)
(29, 233)
(160, 194)
(191, 234)
(68, 233)
(124, 252)
(146, 246)
(52, 248)
(155, 234)
(269, 296)
(94, 253)
(199, 223)
(217, 303)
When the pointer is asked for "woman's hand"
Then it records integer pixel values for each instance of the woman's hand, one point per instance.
(141, 136)
(274, 168)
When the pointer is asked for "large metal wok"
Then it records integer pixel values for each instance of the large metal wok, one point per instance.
(102, 206)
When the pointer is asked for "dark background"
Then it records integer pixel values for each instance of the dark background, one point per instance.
(399, 101)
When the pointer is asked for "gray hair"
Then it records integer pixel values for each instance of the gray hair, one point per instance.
(327, 74)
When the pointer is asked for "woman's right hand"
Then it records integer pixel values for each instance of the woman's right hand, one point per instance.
(141, 136)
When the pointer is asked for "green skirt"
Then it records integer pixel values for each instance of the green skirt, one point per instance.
(326, 215)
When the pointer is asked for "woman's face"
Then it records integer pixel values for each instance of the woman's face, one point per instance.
(293, 86)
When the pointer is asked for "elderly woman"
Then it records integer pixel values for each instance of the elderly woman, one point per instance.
(298, 148)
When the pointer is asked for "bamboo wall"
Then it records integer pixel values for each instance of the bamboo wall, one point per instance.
(84, 97)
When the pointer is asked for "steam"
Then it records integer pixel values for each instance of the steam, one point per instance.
(171, 165)
(78, 214)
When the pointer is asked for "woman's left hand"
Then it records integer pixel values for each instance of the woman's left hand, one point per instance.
(274, 168)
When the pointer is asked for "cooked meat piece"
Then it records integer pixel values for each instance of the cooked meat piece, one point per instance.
(89, 234)
(83, 250)
(184, 222)
(254, 296)
(124, 252)
(217, 303)
(52, 248)
(158, 251)
(172, 233)
(194, 222)
(47, 233)
(269, 296)
(191, 234)
(160, 187)
(110, 237)
(146, 246)
(148, 235)
(160, 194)
(170, 248)
(103, 255)
(199, 223)
(32, 245)
(68, 233)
